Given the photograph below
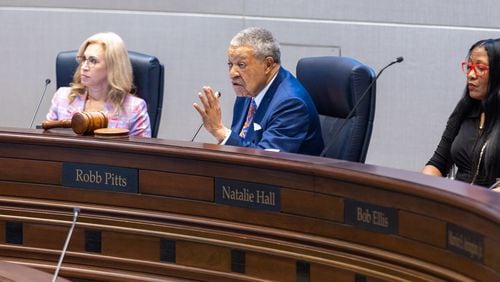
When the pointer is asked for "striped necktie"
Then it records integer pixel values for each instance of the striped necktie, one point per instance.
(248, 121)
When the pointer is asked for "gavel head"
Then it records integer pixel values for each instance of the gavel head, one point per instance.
(84, 123)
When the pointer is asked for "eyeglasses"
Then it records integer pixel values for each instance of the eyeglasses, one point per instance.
(479, 69)
(91, 61)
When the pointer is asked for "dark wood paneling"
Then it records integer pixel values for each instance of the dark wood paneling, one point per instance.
(492, 254)
(312, 204)
(30, 171)
(46, 236)
(175, 202)
(323, 273)
(422, 228)
(135, 246)
(270, 267)
(176, 185)
(204, 256)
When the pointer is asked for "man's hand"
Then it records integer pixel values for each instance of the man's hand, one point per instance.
(211, 113)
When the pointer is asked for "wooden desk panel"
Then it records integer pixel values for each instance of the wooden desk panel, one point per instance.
(308, 238)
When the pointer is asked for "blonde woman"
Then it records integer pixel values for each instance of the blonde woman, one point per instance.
(103, 82)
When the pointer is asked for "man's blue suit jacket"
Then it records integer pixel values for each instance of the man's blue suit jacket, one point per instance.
(286, 119)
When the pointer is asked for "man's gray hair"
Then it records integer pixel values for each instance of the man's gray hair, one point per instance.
(260, 40)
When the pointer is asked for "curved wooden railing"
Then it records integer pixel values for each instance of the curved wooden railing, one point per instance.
(323, 218)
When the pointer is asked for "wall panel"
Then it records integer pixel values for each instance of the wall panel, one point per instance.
(190, 37)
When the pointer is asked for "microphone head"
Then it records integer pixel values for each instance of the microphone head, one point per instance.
(399, 59)
(47, 81)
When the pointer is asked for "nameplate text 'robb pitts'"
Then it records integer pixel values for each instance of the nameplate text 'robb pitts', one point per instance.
(100, 177)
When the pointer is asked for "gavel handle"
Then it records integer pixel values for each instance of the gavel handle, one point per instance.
(64, 123)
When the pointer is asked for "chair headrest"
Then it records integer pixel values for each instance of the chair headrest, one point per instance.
(66, 65)
(331, 81)
(147, 73)
(145, 68)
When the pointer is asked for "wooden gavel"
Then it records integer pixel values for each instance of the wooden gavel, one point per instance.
(82, 123)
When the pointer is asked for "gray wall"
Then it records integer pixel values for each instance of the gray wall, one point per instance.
(190, 37)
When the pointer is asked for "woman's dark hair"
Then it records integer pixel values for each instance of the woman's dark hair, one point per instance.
(490, 106)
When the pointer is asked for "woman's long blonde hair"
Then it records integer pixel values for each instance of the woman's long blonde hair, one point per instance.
(120, 77)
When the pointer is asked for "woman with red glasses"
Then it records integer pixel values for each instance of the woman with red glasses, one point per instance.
(471, 140)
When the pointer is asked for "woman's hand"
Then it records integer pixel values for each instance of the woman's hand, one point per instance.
(431, 170)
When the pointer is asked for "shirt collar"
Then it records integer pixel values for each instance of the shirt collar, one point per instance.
(263, 92)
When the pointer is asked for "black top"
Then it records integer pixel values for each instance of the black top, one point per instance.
(459, 150)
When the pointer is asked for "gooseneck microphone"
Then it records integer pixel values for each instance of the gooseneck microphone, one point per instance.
(335, 138)
(76, 213)
(47, 82)
(217, 95)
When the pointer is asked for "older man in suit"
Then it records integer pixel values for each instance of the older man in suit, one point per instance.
(272, 110)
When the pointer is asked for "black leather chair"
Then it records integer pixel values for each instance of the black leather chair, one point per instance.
(335, 85)
(148, 80)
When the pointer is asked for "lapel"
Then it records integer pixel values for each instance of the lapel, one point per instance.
(242, 104)
(266, 101)
(263, 106)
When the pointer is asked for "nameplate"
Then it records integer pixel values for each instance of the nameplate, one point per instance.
(372, 217)
(100, 177)
(247, 195)
(465, 242)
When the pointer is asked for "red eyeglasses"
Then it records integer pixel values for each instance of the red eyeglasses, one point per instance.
(479, 69)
